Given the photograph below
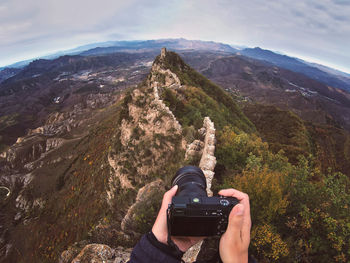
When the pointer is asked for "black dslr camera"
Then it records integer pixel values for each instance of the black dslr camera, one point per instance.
(192, 212)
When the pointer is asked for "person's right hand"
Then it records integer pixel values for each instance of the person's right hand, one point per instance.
(235, 241)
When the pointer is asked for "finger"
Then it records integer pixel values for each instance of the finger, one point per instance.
(159, 228)
(235, 223)
(168, 197)
(161, 218)
(233, 192)
(244, 199)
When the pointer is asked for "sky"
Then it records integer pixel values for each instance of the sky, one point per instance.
(314, 30)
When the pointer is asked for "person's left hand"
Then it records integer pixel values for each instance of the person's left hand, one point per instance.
(160, 229)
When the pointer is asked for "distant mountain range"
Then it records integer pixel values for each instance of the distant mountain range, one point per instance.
(326, 75)
(321, 73)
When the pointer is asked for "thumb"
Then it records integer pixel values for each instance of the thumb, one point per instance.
(159, 228)
(168, 196)
(235, 222)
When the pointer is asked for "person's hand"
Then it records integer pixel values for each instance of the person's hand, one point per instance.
(160, 229)
(234, 242)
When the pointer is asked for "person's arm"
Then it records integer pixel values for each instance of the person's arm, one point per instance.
(235, 241)
(153, 247)
(150, 250)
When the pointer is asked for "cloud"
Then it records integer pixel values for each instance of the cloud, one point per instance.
(310, 27)
(341, 2)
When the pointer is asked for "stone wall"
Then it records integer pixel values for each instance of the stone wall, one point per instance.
(207, 164)
(208, 160)
(163, 107)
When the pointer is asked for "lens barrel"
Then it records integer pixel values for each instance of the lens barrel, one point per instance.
(191, 181)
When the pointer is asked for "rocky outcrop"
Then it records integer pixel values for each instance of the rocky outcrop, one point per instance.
(143, 196)
(26, 150)
(123, 179)
(25, 204)
(53, 143)
(137, 135)
(150, 123)
(122, 255)
(95, 253)
(95, 101)
(60, 123)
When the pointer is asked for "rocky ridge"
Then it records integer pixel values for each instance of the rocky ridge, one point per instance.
(150, 106)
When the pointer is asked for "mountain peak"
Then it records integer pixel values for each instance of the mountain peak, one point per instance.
(168, 60)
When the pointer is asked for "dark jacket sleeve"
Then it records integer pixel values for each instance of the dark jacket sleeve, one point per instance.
(150, 250)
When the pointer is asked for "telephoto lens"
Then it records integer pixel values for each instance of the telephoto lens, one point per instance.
(191, 181)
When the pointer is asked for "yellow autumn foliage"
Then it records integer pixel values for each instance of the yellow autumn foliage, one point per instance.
(268, 243)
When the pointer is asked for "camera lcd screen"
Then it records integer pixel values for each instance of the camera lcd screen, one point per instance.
(194, 226)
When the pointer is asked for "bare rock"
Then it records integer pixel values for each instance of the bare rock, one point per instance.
(122, 255)
(145, 196)
(194, 149)
(53, 143)
(67, 256)
(96, 253)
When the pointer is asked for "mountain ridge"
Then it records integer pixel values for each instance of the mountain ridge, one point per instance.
(330, 77)
(94, 171)
(297, 65)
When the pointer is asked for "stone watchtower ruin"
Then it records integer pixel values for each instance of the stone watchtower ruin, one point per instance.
(163, 52)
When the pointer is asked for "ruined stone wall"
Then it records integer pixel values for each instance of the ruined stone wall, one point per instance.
(208, 160)
(207, 164)
(163, 107)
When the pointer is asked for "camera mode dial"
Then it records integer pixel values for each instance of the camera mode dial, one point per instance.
(224, 202)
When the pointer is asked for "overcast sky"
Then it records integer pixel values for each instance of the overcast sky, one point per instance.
(316, 30)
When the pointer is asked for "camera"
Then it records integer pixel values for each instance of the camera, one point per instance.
(192, 212)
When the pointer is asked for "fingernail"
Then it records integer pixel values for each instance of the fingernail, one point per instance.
(175, 187)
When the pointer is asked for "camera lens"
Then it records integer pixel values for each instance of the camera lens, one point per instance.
(191, 182)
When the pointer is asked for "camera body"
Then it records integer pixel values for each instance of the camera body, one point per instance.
(199, 216)
(192, 212)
